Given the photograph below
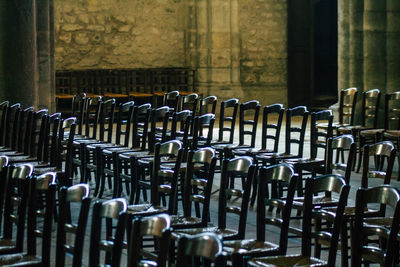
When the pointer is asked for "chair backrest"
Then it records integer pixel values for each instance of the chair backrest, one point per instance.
(157, 227)
(208, 105)
(46, 149)
(295, 134)
(124, 121)
(78, 105)
(64, 150)
(198, 183)
(110, 211)
(171, 99)
(347, 105)
(189, 102)
(4, 161)
(392, 111)
(281, 174)
(205, 245)
(180, 127)
(336, 147)
(272, 121)
(384, 154)
(164, 181)
(248, 127)
(3, 109)
(15, 203)
(41, 204)
(91, 117)
(370, 108)
(11, 123)
(243, 167)
(387, 196)
(106, 120)
(329, 237)
(158, 133)
(32, 134)
(24, 120)
(319, 136)
(202, 122)
(69, 196)
(140, 125)
(227, 118)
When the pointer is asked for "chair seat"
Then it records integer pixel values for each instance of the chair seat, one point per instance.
(249, 246)
(145, 210)
(19, 259)
(305, 162)
(394, 134)
(118, 149)
(280, 155)
(335, 125)
(224, 233)
(101, 145)
(371, 132)
(219, 146)
(350, 211)
(77, 142)
(349, 129)
(138, 154)
(288, 260)
(23, 158)
(181, 220)
(251, 151)
(380, 221)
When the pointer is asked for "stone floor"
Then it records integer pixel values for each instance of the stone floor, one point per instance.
(272, 235)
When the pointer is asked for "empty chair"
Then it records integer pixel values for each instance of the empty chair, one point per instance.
(189, 102)
(111, 211)
(71, 235)
(157, 227)
(387, 230)
(208, 105)
(328, 237)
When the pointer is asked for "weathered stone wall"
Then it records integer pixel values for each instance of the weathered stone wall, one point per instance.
(119, 33)
(263, 55)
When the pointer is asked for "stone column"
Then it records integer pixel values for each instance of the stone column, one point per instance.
(343, 44)
(46, 95)
(392, 46)
(19, 61)
(356, 44)
(375, 44)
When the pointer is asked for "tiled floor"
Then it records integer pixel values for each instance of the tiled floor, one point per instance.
(294, 244)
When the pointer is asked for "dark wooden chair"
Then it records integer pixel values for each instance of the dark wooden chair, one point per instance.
(11, 122)
(200, 137)
(364, 227)
(78, 105)
(189, 102)
(369, 118)
(227, 122)
(157, 227)
(41, 205)
(242, 166)
(200, 250)
(294, 135)
(237, 250)
(71, 235)
(90, 118)
(15, 207)
(328, 237)
(171, 99)
(111, 211)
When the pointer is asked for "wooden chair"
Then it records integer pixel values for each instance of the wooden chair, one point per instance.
(227, 121)
(367, 252)
(201, 138)
(328, 237)
(42, 187)
(91, 118)
(78, 105)
(3, 109)
(206, 247)
(242, 166)
(369, 117)
(157, 227)
(110, 211)
(171, 99)
(189, 102)
(294, 136)
(237, 250)
(10, 124)
(15, 207)
(71, 235)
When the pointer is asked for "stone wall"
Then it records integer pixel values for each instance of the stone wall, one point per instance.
(263, 50)
(238, 47)
(118, 33)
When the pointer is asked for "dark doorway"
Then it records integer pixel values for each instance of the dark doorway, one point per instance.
(312, 52)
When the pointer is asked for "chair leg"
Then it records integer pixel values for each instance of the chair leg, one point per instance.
(344, 243)
(360, 152)
(83, 162)
(96, 158)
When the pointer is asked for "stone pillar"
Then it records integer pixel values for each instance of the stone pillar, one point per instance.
(392, 46)
(19, 62)
(375, 44)
(343, 44)
(356, 44)
(212, 45)
(46, 96)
